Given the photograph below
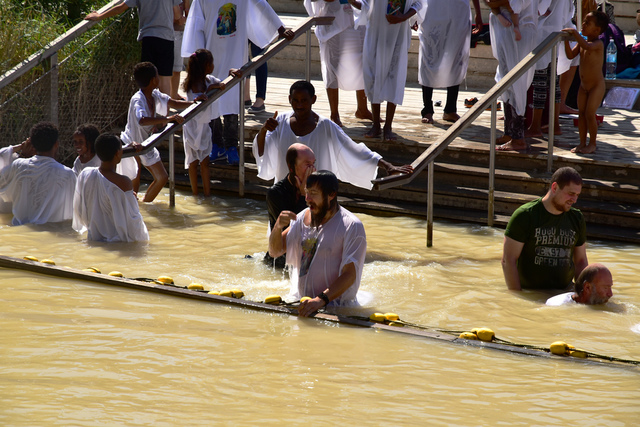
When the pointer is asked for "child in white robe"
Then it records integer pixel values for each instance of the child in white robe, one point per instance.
(104, 203)
(39, 188)
(148, 111)
(84, 139)
(197, 132)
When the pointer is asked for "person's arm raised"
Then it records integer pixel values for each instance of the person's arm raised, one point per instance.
(115, 10)
(278, 238)
(269, 126)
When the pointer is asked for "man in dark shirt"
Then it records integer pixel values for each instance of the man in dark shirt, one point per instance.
(288, 194)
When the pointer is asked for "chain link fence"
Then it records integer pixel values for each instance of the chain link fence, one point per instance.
(94, 85)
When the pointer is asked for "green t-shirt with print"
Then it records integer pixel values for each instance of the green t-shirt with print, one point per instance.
(546, 261)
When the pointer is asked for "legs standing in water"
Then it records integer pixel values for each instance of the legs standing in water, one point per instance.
(588, 103)
(204, 173)
(450, 109)
(160, 178)
(513, 138)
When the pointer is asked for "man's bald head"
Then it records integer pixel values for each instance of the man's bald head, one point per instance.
(297, 154)
(594, 285)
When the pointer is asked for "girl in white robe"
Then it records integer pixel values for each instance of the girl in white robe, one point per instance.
(197, 132)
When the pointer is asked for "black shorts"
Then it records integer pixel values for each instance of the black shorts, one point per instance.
(160, 53)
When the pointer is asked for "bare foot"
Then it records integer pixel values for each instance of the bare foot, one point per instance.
(513, 145)
(503, 139)
(503, 20)
(335, 118)
(364, 115)
(450, 117)
(533, 133)
(516, 30)
(582, 149)
(374, 132)
(565, 109)
(389, 135)
(556, 131)
(428, 118)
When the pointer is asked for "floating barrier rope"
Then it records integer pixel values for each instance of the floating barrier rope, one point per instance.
(388, 321)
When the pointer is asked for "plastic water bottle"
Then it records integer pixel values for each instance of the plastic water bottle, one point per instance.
(612, 60)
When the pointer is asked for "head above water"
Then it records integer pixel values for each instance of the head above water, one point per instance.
(107, 146)
(299, 158)
(44, 136)
(566, 185)
(594, 285)
(144, 73)
(321, 195)
(87, 134)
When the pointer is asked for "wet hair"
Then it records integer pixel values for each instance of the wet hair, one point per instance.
(143, 73)
(303, 85)
(90, 133)
(587, 275)
(601, 19)
(107, 146)
(197, 68)
(326, 182)
(566, 175)
(44, 136)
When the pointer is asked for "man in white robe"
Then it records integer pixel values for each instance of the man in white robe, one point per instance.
(225, 28)
(386, 55)
(445, 35)
(104, 203)
(39, 188)
(509, 53)
(340, 54)
(334, 150)
(325, 245)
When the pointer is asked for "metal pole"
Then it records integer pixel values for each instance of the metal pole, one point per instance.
(492, 164)
(172, 173)
(430, 204)
(552, 106)
(53, 78)
(241, 140)
(307, 69)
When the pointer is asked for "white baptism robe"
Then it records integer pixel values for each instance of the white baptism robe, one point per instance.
(7, 156)
(559, 11)
(445, 36)
(40, 190)
(386, 48)
(316, 256)
(78, 166)
(562, 299)
(224, 28)
(335, 151)
(510, 52)
(105, 211)
(340, 45)
(565, 63)
(197, 132)
(135, 132)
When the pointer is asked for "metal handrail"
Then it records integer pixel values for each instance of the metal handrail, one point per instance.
(427, 158)
(193, 110)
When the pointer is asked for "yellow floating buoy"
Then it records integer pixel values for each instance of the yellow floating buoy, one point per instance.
(484, 334)
(578, 353)
(273, 299)
(195, 287)
(305, 299)
(560, 348)
(468, 336)
(165, 280)
(93, 270)
(31, 258)
(214, 293)
(48, 261)
(391, 317)
(398, 324)
(226, 293)
(237, 293)
(116, 274)
(377, 317)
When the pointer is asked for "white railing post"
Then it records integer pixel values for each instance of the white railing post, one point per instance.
(307, 68)
(492, 164)
(430, 204)
(552, 106)
(172, 172)
(241, 140)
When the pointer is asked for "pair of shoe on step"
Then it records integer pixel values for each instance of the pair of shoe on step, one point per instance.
(229, 154)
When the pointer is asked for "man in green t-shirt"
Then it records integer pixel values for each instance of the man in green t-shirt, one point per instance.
(545, 243)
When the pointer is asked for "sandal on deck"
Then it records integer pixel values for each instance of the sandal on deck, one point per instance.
(470, 102)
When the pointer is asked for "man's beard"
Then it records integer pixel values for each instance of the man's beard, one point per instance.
(562, 207)
(316, 219)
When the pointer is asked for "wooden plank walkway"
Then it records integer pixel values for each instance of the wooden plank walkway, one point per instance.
(618, 140)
